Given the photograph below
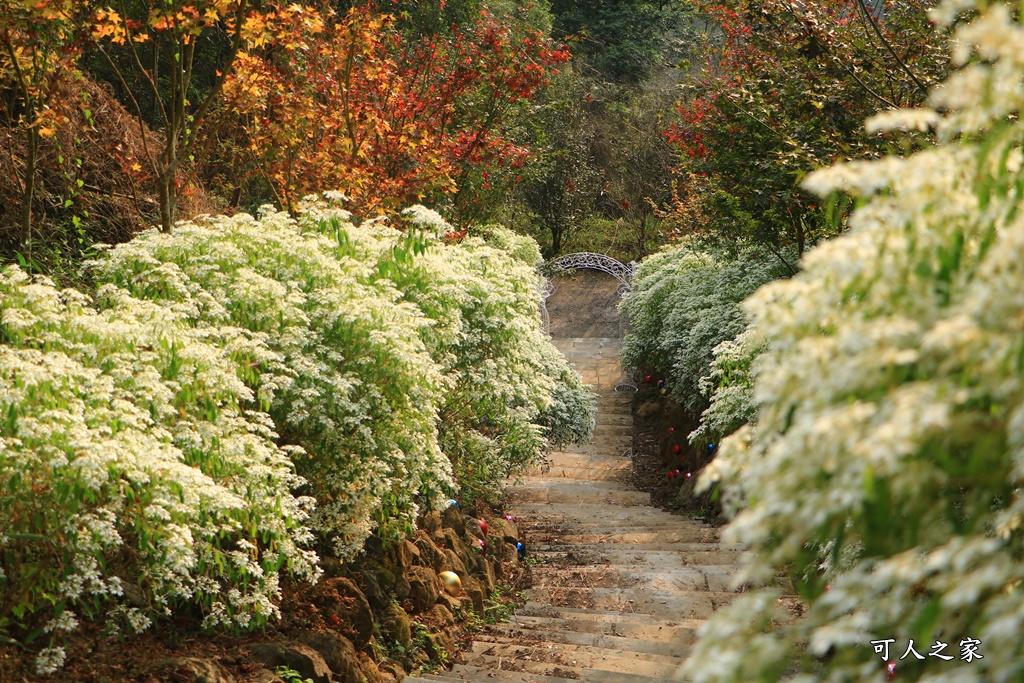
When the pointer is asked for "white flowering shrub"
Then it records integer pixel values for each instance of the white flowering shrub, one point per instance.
(522, 247)
(884, 472)
(136, 477)
(340, 364)
(684, 302)
(153, 437)
(729, 387)
(508, 392)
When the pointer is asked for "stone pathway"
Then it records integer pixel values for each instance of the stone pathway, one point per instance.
(621, 587)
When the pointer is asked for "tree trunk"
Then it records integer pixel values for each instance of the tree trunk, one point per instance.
(168, 202)
(28, 194)
(556, 240)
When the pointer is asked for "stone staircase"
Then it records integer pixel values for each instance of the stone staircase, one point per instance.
(621, 587)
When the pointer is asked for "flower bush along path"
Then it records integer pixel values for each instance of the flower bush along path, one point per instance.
(619, 588)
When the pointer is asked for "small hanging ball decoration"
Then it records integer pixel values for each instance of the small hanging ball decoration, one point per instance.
(663, 391)
(453, 503)
(671, 429)
(510, 518)
(711, 448)
(452, 583)
(483, 527)
(647, 379)
(669, 474)
(661, 383)
(521, 550)
(890, 671)
(828, 587)
(676, 449)
(689, 474)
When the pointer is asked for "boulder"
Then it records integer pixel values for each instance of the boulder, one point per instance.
(440, 647)
(402, 587)
(376, 593)
(451, 518)
(370, 672)
(338, 652)
(475, 592)
(190, 670)
(648, 409)
(294, 655)
(267, 676)
(392, 668)
(397, 625)
(461, 602)
(455, 564)
(345, 608)
(432, 521)
(453, 542)
(474, 528)
(441, 615)
(501, 551)
(424, 588)
(433, 556)
(505, 530)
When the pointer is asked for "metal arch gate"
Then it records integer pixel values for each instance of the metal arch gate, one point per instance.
(589, 260)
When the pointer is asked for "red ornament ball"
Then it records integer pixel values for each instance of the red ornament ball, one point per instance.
(676, 449)
(647, 379)
(483, 527)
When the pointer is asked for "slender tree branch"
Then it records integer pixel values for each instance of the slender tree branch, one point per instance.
(889, 47)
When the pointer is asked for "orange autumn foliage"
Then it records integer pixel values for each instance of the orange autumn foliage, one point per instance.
(351, 104)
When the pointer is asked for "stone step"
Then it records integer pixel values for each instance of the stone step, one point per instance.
(538, 675)
(621, 588)
(707, 553)
(622, 418)
(478, 674)
(665, 604)
(707, 577)
(553, 490)
(578, 673)
(616, 624)
(601, 451)
(583, 656)
(602, 430)
(546, 525)
(587, 473)
(584, 460)
(505, 633)
(633, 538)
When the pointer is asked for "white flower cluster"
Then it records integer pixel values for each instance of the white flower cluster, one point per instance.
(729, 386)
(684, 302)
(885, 469)
(330, 352)
(124, 428)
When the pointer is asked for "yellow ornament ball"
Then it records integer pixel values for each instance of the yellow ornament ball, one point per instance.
(452, 583)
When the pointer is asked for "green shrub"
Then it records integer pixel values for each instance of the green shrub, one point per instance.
(884, 472)
(684, 302)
